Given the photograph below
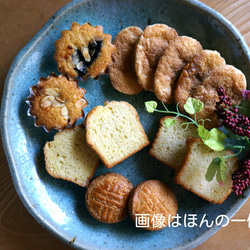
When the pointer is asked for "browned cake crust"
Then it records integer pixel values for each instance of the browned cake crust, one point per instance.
(106, 197)
(152, 43)
(83, 51)
(177, 54)
(153, 197)
(56, 102)
(121, 70)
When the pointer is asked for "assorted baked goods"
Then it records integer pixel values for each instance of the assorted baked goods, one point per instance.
(56, 102)
(155, 59)
(107, 196)
(114, 131)
(69, 157)
(152, 198)
(191, 174)
(83, 51)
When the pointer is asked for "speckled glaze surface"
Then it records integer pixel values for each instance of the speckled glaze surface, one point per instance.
(59, 205)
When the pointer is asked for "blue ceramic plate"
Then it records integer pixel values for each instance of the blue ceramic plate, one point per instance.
(59, 205)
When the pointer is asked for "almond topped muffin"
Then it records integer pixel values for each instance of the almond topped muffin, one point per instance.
(83, 51)
(56, 102)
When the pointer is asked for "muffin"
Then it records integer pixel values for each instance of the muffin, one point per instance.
(56, 102)
(83, 51)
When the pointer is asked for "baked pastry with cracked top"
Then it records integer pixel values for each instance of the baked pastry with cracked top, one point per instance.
(155, 200)
(106, 197)
(83, 51)
(56, 102)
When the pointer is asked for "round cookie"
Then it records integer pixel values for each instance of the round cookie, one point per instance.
(121, 70)
(156, 201)
(151, 45)
(56, 102)
(106, 197)
(228, 77)
(177, 54)
(194, 73)
(83, 51)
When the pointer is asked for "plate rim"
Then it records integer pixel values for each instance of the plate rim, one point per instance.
(4, 128)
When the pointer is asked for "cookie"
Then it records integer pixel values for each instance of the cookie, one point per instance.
(106, 197)
(151, 45)
(155, 200)
(228, 77)
(83, 51)
(121, 70)
(177, 54)
(56, 102)
(194, 73)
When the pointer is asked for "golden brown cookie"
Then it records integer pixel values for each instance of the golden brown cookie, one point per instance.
(83, 51)
(154, 200)
(177, 54)
(56, 102)
(228, 77)
(106, 197)
(194, 73)
(152, 43)
(121, 70)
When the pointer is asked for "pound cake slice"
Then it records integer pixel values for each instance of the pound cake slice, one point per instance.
(115, 132)
(69, 157)
(191, 174)
(169, 145)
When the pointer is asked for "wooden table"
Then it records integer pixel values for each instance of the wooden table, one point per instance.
(20, 20)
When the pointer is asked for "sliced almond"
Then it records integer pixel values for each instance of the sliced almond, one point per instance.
(46, 104)
(56, 104)
(65, 112)
(80, 103)
(86, 55)
(51, 92)
(80, 65)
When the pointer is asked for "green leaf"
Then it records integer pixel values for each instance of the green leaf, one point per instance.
(193, 106)
(212, 169)
(168, 122)
(151, 106)
(203, 133)
(222, 173)
(218, 167)
(214, 138)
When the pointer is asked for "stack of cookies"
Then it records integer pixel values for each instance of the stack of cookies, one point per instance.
(174, 68)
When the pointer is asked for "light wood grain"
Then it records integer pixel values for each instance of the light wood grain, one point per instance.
(20, 20)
